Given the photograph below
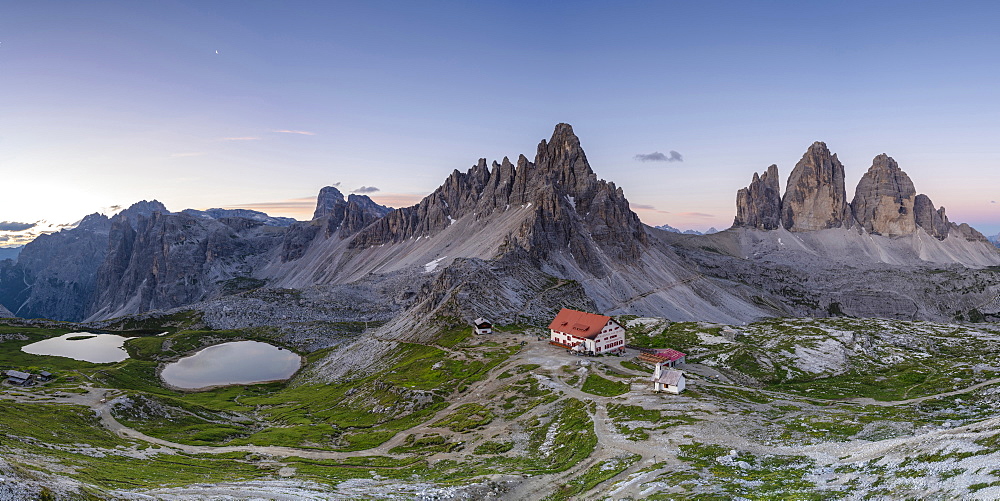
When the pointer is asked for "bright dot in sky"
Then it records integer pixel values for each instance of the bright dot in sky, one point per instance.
(216, 52)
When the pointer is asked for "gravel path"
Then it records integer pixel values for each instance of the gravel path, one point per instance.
(659, 452)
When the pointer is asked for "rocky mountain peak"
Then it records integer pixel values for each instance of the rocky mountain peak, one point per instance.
(883, 201)
(329, 198)
(815, 198)
(933, 221)
(563, 163)
(365, 203)
(567, 205)
(759, 205)
(571, 201)
(95, 221)
(139, 209)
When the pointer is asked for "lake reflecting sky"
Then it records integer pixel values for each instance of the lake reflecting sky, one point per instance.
(241, 362)
(99, 348)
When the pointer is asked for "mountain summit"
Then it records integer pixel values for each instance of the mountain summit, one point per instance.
(562, 195)
(814, 195)
(885, 201)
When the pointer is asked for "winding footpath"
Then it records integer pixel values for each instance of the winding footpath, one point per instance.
(654, 459)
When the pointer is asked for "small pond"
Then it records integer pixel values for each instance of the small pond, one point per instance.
(96, 348)
(239, 362)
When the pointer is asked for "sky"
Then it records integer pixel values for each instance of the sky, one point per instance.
(258, 105)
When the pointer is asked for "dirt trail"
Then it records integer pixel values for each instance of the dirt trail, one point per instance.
(661, 452)
(871, 401)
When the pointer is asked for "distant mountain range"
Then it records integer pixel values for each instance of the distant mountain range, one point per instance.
(667, 227)
(995, 239)
(515, 242)
(10, 252)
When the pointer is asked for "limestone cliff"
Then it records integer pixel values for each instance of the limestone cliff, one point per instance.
(759, 205)
(884, 199)
(933, 221)
(571, 208)
(814, 195)
(164, 260)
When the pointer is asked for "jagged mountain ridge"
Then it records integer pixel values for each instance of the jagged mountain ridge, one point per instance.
(888, 253)
(567, 196)
(553, 213)
(667, 227)
(505, 225)
(240, 213)
(885, 201)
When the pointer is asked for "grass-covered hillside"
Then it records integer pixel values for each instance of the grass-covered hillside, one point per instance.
(781, 409)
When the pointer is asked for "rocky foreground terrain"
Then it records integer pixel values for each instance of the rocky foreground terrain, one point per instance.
(785, 408)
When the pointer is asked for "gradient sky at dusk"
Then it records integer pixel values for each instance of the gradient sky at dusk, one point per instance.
(260, 104)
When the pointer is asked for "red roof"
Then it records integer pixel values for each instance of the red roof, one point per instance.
(579, 323)
(669, 354)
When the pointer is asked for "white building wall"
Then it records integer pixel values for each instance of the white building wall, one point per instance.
(599, 344)
(680, 386)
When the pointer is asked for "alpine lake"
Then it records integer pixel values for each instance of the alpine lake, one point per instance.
(230, 363)
(236, 362)
(83, 346)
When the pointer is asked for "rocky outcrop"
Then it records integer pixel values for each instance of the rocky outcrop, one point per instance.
(361, 211)
(55, 274)
(571, 208)
(328, 200)
(332, 213)
(967, 232)
(168, 260)
(814, 195)
(884, 199)
(933, 221)
(242, 214)
(349, 215)
(759, 205)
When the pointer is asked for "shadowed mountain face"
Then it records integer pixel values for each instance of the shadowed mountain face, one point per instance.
(565, 198)
(759, 205)
(56, 273)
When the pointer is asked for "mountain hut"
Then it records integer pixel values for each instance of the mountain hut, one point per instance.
(20, 378)
(586, 333)
(482, 326)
